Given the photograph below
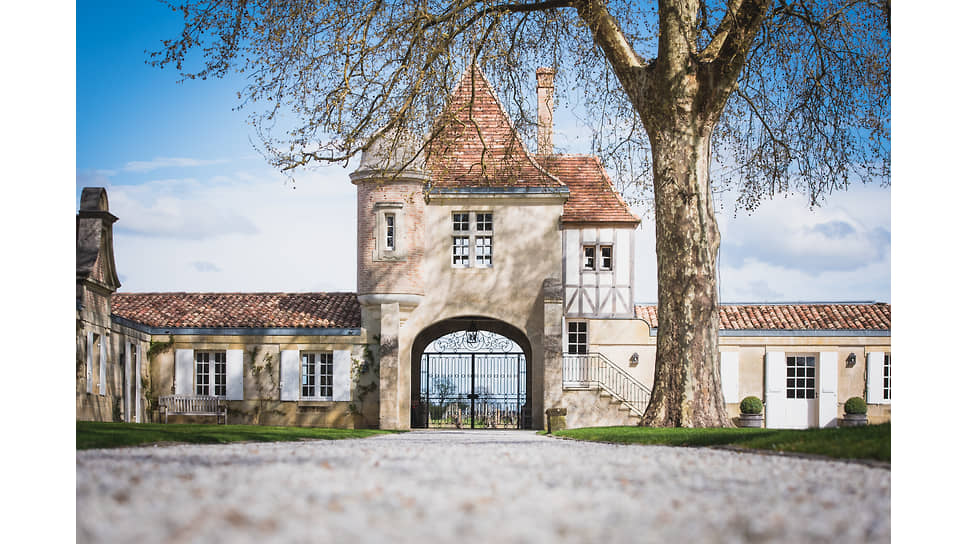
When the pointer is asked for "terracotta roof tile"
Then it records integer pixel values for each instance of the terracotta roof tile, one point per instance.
(239, 310)
(593, 197)
(478, 146)
(846, 316)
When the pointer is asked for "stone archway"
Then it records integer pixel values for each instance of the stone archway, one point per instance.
(481, 384)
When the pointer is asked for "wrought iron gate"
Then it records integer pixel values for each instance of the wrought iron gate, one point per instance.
(472, 391)
(476, 390)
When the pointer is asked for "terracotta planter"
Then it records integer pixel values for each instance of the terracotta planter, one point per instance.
(854, 420)
(751, 420)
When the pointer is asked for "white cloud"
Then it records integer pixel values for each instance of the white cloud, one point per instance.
(784, 251)
(238, 232)
(168, 162)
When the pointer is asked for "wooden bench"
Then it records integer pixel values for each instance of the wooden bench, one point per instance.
(193, 405)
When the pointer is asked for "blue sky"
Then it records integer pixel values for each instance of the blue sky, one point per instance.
(200, 210)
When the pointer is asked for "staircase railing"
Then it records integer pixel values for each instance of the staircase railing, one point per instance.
(595, 371)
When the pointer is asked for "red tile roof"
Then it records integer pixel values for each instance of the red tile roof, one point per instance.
(846, 316)
(593, 197)
(478, 146)
(239, 310)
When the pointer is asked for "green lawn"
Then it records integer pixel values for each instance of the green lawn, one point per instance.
(92, 434)
(868, 442)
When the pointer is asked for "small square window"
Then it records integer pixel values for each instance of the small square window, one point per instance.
(606, 257)
(577, 337)
(462, 222)
(588, 262)
(484, 223)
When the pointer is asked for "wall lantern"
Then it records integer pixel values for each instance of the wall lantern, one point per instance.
(634, 359)
(851, 360)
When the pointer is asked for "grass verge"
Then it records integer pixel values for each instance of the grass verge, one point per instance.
(92, 434)
(869, 442)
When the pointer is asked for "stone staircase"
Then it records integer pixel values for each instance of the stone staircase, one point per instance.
(593, 372)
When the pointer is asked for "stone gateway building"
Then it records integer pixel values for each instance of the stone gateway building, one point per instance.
(493, 284)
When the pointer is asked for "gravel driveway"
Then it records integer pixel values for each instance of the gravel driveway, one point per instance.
(472, 486)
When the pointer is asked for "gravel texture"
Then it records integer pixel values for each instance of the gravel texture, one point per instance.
(475, 486)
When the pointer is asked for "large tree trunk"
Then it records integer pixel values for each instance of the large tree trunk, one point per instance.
(679, 97)
(687, 390)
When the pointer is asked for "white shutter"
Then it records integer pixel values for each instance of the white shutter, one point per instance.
(875, 377)
(90, 362)
(102, 366)
(233, 374)
(729, 375)
(184, 371)
(827, 407)
(137, 383)
(289, 374)
(342, 364)
(775, 381)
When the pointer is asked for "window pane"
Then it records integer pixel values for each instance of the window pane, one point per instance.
(390, 230)
(219, 374)
(460, 251)
(589, 258)
(606, 257)
(484, 222)
(482, 251)
(202, 361)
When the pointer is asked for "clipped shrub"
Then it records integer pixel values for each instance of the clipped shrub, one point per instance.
(855, 405)
(751, 405)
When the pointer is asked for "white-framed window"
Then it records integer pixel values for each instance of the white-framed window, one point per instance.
(389, 231)
(596, 257)
(316, 375)
(801, 376)
(887, 376)
(472, 231)
(210, 373)
(577, 337)
(605, 257)
(389, 221)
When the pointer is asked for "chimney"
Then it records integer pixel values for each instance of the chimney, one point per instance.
(546, 103)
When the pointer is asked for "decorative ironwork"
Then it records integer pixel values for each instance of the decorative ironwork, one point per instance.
(472, 390)
(473, 340)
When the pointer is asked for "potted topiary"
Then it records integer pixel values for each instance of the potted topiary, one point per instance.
(855, 412)
(751, 412)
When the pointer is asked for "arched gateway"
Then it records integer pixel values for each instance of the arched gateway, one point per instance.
(471, 373)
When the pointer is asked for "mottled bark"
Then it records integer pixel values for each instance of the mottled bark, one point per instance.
(687, 390)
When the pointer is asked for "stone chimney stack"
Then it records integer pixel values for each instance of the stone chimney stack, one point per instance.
(546, 104)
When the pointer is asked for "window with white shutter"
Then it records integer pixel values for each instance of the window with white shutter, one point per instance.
(210, 373)
(316, 375)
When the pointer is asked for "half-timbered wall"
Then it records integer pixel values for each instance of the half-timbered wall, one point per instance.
(597, 291)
